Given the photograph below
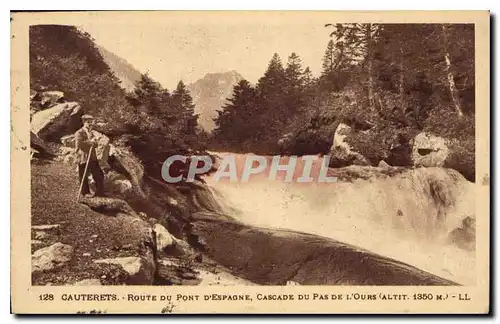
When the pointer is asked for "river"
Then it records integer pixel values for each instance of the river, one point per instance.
(407, 216)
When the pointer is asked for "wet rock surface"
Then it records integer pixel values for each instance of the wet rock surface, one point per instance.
(274, 257)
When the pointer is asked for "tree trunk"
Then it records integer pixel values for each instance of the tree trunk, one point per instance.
(401, 81)
(449, 71)
(369, 57)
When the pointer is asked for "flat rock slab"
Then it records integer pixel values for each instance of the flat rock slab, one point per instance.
(88, 282)
(109, 206)
(59, 120)
(140, 271)
(275, 257)
(51, 257)
(44, 227)
(40, 235)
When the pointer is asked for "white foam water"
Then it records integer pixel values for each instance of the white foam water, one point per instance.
(407, 216)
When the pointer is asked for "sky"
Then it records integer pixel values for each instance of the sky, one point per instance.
(188, 50)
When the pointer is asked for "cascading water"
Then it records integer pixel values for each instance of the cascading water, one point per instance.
(407, 216)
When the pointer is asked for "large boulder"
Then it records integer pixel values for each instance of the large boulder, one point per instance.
(341, 152)
(51, 98)
(340, 134)
(51, 257)
(164, 239)
(136, 259)
(126, 163)
(39, 145)
(309, 141)
(140, 270)
(429, 150)
(109, 206)
(53, 123)
(115, 184)
(43, 100)
(462, 157)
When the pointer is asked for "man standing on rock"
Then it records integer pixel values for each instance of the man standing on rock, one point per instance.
(86, 144)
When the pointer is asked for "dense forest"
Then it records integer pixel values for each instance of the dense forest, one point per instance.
(389, 81)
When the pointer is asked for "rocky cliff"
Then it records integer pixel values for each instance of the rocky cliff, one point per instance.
(210, 94)
(123, 70)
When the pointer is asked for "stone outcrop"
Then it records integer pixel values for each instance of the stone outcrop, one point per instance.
(429, 150)
(275, 257)
(45, 227)
(57, 121)
(164, 239)
(341, 152)
(140, 270)
(39, 145)
(382, 164)
(51, 257)
(124, 162)
(43, 100)
(51, 98)
(109, 206)
(88, 282)
(116, 183)
(305, 142)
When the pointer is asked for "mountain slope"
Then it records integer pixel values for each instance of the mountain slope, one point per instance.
(122, 69)
(210, 93)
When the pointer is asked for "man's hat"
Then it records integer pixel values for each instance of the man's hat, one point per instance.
(87, 117)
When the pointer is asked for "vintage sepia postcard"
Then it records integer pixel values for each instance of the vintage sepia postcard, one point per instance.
(250, 162)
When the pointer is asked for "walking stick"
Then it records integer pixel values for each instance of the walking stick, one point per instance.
(85, 173)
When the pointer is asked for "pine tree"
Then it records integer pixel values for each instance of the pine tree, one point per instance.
(182, 104)
(149, 93)
(273, 79)
(293, 72)
(296, 88)
(356, 43)
(236, 122)
(270, 103)
(307, 77)
(328, 65)
(335, 65)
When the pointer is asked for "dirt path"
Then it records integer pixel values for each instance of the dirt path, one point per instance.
(92, 235)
